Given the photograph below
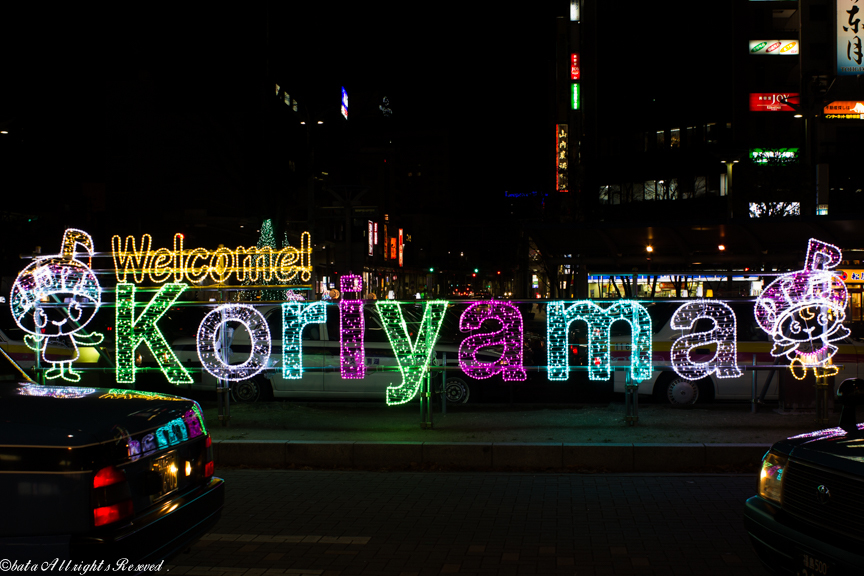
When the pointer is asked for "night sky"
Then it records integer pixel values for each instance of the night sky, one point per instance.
(481, 72)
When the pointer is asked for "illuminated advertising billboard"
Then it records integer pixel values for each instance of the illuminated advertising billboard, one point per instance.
(774, 47)
(844, 110)
(850, 52)
(774, 155)
(574, 66)
(370, 241)
(773, 102)
(574, 96)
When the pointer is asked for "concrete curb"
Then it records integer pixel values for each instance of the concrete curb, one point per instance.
(490, 456)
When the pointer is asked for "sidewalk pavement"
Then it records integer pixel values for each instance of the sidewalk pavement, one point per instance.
(574, 438)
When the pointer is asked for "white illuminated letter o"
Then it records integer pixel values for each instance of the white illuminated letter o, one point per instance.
(209, 345)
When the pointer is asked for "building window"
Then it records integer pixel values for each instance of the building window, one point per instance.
(769, 209)
(661, 139)
(638, 191)
(675, 138)
(604, 195)
(650, 189)
(690, 136)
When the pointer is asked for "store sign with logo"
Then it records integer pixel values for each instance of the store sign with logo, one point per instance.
(773, 101)
(774, 47)
(851, 276)
(850, 35)
(844, 110)
(774, 155)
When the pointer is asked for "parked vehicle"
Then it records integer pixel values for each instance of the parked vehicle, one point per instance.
(806, 517)
(753, 345)
(12, 341)
(102, 474)
(322, 376)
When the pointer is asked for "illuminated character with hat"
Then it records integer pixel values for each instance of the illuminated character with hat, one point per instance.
(804, 310)
(53, 299)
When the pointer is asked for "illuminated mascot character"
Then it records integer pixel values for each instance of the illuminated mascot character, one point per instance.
(804, 310)
(53, 299)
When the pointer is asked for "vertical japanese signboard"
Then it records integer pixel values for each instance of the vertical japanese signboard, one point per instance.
(574, 66)
(370, 241)
(850, 51)
(401, 246)
(561, 133)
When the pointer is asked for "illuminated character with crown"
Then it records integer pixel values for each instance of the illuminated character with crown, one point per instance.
(804, 310)
(53, 299)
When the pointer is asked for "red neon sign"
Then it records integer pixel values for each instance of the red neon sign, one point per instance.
(574, 66)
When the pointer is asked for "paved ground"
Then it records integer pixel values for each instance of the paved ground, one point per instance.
(415, 524)
(534, 423)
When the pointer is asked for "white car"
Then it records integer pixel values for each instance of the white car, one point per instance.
(753, 345)
(321, 377)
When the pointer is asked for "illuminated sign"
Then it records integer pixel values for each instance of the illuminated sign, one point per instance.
(370, 240)
(401, 247)
(351, 351)
(722, 335)
(803, 311)
(251, 264)
(844, 110)
(53, 299)
(574, 10)
(854, 276)
(574, 96)
(559, 316)
(413, 357)
(295, 317)
(574, 66)
(774, 47)
(394, 248)
(774, 155)
(130, 332)
(509, 335)
(344, 103)
(773, 102)
(214, 340)
(561, 133)
(850, 52)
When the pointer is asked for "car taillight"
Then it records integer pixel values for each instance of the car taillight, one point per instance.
(208, 458)
(112, 499)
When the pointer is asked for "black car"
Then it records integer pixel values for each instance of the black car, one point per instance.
(808, 517)
(116, 476)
